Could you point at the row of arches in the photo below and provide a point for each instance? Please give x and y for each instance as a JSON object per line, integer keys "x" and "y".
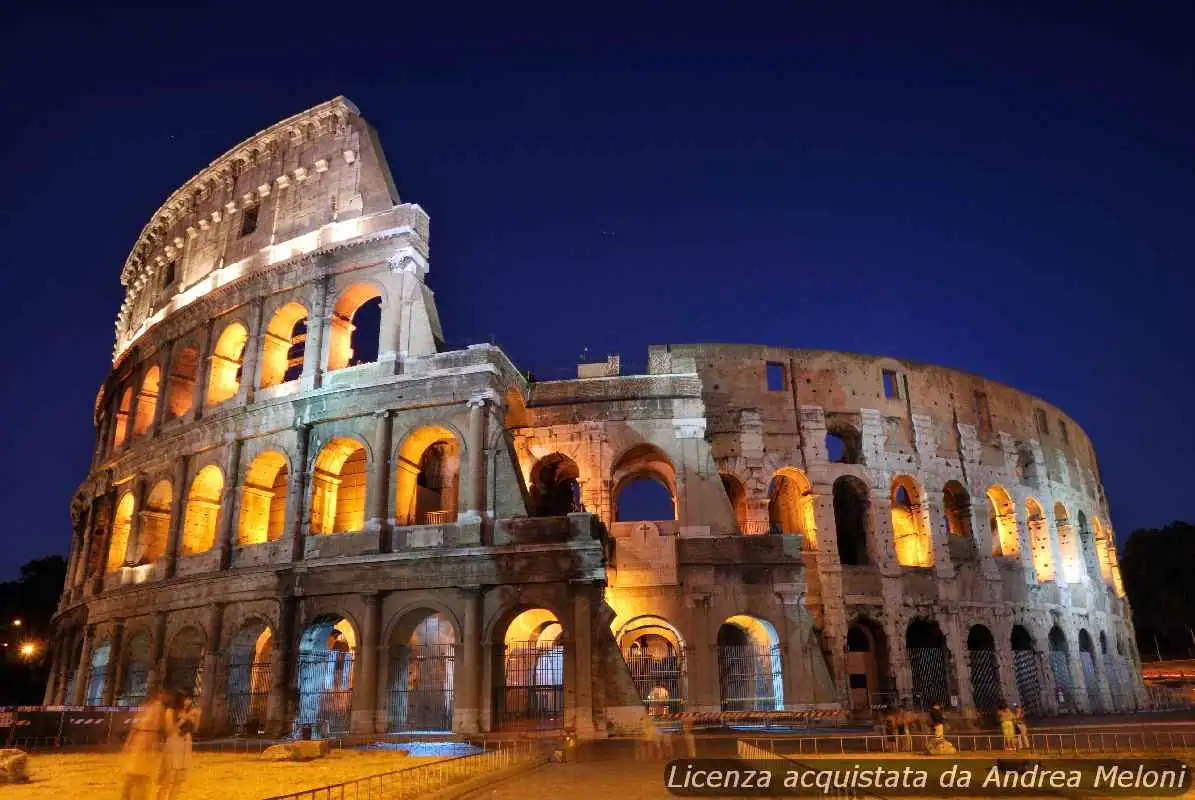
{"x": 353, "y": 337}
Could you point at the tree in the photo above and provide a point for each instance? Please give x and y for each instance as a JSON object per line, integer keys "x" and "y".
{"x": 32, "y": 599}
{"x": 1156, "y": 566}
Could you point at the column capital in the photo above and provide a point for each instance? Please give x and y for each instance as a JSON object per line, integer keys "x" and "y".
{"x": 371, "y": 598}
{"x": 384, "y": 413}
{"x": 481, "y": 398}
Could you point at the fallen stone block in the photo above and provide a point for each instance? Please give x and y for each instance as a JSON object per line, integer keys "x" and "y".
{"x": 14, "y": 766}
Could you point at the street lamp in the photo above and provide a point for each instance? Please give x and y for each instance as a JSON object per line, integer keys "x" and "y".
{"x": 28, "y": 650}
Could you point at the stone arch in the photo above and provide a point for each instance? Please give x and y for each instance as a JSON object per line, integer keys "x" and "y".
{"x": 97, "y": 673}
{"x": 643, "y": 462}
{"x": 227, "y": 361}
{"x": 1002, "y": 521}
{"x": 338, "y": 483}
{"x": 1039, "y": 541}
{"x": 852, "y": 519}
{"x": 654, "y": 651}
{"x": 1026, "y": 665}
{"x": 184, "y": 372}
{"x": 263, "y": 499}
{"x": 427, "y": 476}
{"x": 122, "y": 525}
{"x": 1102, "y": 546}
{"x": 134, "y": 687}
{"x": 248, "y": 675}
{"x": 528, "y": 669}
{"x": 121, "y": 436}
{"x": 352, "y": 338}
{"x": 986, "y": 693}
{"x": 183, "y": 659}
{"x": 1060, "y": 667}
{"x": 910, "y": 533}
{"x": 956, "y": 505}
{"x": 147, "y": 401}
{"x": 750, "y": 669}
{"x": 844, "y": 443}
{"x": 867, "y": 665}
{"x": 154, "y": 533}
{"x": 516, "y": 409}
{"x": 327, "y": 651}
{"x": 736, "y": 495}
{"x": 203, "y": 510}
{"x": 422, "y": 671}
{"x": 790, "y": 505}
{"x": 555, "y": 486}
{"x": 1068, "y": 546}
{"x": 283, "y": 345}
{"x": 929, "y": 662}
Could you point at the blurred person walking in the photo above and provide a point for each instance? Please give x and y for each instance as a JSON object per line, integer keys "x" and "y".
{"x": 180, "y": 721}
{"x": 142, "y": 753}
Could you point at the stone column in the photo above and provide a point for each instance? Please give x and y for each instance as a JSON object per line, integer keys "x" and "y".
{"x": 959, "y": 661}
{"x": 932, "y": 512}
{"x": 583, "y": 613}
{"x": 898, "y": 656}
{"x": 1075, "y": 664}
{"x": 1004, "y": 661}
{"x": 314, "y": 357}
{"x": 157, "y": 652}
{"x": 1101, "y": 679}
{"x": 467, "y": 700}
{"x": 105, "y": 544}
{"x": 283, "y": 671}
{"x": 229, "y": 503}
{"x": 204, "y": 371}
{"x": 55, "y": 665}
{"x": 377, "y": 491}
{"x": 252, "y": 355}
{"x": 701, "y": 659}
{"x": 79, "y": 567}
{"x": 163, "y": 391}
{"x": 133, "y": 548}
{"x": 881, "y": 549}
{"x": 211, "y": 668}
{"x": 365, "y": 689}
{"x": 178, "y": 512}
{"x": 475, "y": 500}
{"x": 298, "y": 510}
{"x": 80, "y": 697}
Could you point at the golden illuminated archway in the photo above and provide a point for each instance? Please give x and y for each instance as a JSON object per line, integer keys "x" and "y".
{"x": 263, "y": 502}
{"x": 790, "y": 505}
{"x": 283, "y": 345}
{"x": 122, "y": 524}
{"x": 1102, "y": 547}
{"x": 1039, "y": 541}
{"x": 338, "y": 488}
{"x": 154, "y": 531}
{"x": 427, "y": 477}
{"x": 147, "y": 401}
{"x": 342, "y": 325}
{"x": 203, "y": 510}
{"x": 227, "y": 359}
{"x": 122, "y": 419}
{"x": 1068, "y": 545}
{"x": 1002, "y": 521}
{"x": 184, "y": 371}
{"x": 910, "y": 530}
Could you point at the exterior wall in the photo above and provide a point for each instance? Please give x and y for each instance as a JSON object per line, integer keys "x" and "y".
{"x": 703, "y": 414}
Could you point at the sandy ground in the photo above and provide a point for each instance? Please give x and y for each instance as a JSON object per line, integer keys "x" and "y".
{"x": 213, "y": 776}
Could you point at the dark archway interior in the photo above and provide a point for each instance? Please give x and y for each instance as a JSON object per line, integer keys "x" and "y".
{"x": 850, "y": 521}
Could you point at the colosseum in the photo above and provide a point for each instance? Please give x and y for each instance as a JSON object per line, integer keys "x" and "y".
{"x": 308, "y": 510}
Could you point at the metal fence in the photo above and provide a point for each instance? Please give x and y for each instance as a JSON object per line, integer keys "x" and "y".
{"x": 661, "y": 681}
{"x": 325, "y": 692}
{"x": 532, "y": 692}
{"x": 931, "y": 683}
{"x": 422, "y": 678}
{"x": 749, "y": 677}
{"x": 985, "y": 680}
{"x": 1026, "y": 665}
{"x": 424, "y": 778}
{"x": 247, "y": 694}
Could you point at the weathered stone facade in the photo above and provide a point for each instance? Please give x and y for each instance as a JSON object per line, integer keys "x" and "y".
{"x": 308, "y": 528}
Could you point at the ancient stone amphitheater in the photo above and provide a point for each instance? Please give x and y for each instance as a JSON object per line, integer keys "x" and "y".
{"x": 308, "y": 510}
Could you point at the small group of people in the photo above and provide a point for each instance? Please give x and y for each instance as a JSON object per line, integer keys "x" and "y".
{"x": 158, "y": 746}
{"x": 901, "y": 722}
{"x": 1013, "y": 727}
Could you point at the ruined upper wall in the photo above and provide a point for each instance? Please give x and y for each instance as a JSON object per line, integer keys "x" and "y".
{"x": 302, "y": 184}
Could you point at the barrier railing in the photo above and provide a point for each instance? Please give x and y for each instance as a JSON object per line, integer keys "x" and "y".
{"x": 1062, "y": 744}
{"x": 423, "y": 779}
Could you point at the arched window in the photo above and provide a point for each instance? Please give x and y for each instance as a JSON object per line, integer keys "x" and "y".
{"x": 555, "y": 489}
{"x": 155, "y": 523}
{"x": 184, "y": 371}
{"x": 844, "y": 444}
{"x": 263, "y": 503}
{"x": 283, "y": 345}
{"x": 228, "y": 358}
{"x": 354, "y": 335}
{"x": 338, "y": 488}
{"x": 147, "y": 402}
{"x": 957, "y": 506}
{"x": 121, "y": 437}
{"x": 1102, "y": 546}
{"x": 852, "y": 520}
{"x": 1002, "y": 520}
{"x": 428, "y": 477}
{"x": 790, "y": 505}
{"x": 122, "y": 524}
{"x": 737, "y": 495}
{"x": 203, "y": 510}
{"x": 643, "y": 482}
{"x": 1068, "y": 547}
{"x": 1039, "y": 541}
{"x": 910, "y": 533}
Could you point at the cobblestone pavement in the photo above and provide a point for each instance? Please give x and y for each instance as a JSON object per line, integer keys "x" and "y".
{"x": 623, "y": 780}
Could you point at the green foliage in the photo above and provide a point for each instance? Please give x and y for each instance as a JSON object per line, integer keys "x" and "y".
{"x": 1158, "y": 569}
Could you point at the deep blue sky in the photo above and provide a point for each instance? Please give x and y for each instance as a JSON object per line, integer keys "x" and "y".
{"x": 1007, "y": 192}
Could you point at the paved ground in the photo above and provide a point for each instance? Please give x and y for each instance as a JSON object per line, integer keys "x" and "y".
{"x": 622, "y": 780}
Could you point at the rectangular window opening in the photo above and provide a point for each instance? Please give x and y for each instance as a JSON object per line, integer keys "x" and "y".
{"x": 1063, "y": 432}
{"x": 776, "y": 381}
{"x": 892, "y": 385}
{"x": 249, "y": 221}
{"x": 1043, "y": 425}
{"x": 168, "y": 273}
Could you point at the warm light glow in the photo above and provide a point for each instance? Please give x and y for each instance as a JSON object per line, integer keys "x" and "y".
{"x": 1002, "y": 520}
{"x": 1068, "y": 545}
{"x": 433, "y": 452}
{"x": 28, "y": 649}
{"x": 147, "y": 402}
{"x": 1039, "y": 541}
{"x": 155, "y": 523}
{"x": 118, "y": 546}
{"x": 910, "y": 529}
{"x": 227, "y": 360}
{"x": 790, "y": 505}
{"x": 277, "y": 342}
{"x": 340, "y": 329}
{"x": 338, "y": 488}
{"x": 16, "y": 623}
{"x": 203, "y": 510}
{"x": 263, "y": 504}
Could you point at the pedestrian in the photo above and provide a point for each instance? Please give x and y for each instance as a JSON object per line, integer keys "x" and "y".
{"x": 142, "y": 749}
{"x": 1007, "y": 726}
{"x": 1022, "y": 728}
{"x": 180, "y": 721}
{"x": 938, "y": 720}
{"x": 905, "y": 722}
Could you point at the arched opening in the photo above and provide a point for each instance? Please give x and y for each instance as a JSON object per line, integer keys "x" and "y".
{"x": 422, "y": 672}
{"x": 1002, "y": 522}
{"x": 1095, "y": 703}
{"x": 1068, "y": 546}
{"x": 555, "y": 486}
{"x": 868, "y": 672}
{"x": 97, "y": 674}
{"x": 1112, "y": 675}
{"x": 155, "y": 523}
{"x": 956, "y": 506}
{"x": 147, "y": 402}
{"x": 427, "y": 481}
{"x": 184, "y": 371}
{"x": 530, "y": 661}
{"x": 122, "y": 524}
{"x": 283, "y": 346}
{"x": 1039, "y": 541}
{"x": 325, "y": 675}
{"x": 1026, "y": 665}
{"x": 985, "y": 672}
{"x": 203, "y": 510}
{"x": 227, "y": 361}
{"x": 736, "y": 494}
{"x": 852, "y": 520}
{"x": 910, "y": 531}
{"x": 1060, "y": 668}
{"x": 844, "y": 445}
{"x": 644, "y": 485}
{"x": 655, "y": 654}
{"x": 263, "y": 501}
{"x": 249, "y": 671}
{"x": 929, "y": 663}
{"x": 750, "y": 672}
{"x": 183, "y": 660}
{"x": 1102, "y": 546}
{"x": 135, "y": 686}
{"x": 355, "y": 328}
{"x": 121, "y": 436}
{"x": 790, "y": 505}
{"x": 338, "y": 488}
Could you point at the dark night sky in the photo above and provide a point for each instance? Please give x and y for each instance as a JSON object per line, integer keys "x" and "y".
{"x": 1007, "y": 192}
